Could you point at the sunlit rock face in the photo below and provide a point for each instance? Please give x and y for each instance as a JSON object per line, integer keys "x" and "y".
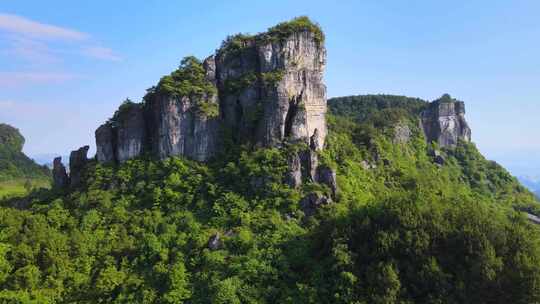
{"x": 444, "y": 122}
{"x": 268, "y": 90}
{"x": 177, "y": 129}
{"x": 281, "y": 93}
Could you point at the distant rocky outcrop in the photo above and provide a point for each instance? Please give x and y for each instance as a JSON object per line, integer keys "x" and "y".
{"x": 263, "y": 90}
{"x": 60, "y": 176}
{"x": 78, "y": 160}
{"x": 444, "y": 122}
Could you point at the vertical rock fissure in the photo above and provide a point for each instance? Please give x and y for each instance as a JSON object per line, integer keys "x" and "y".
{"x": 291, "y": 115}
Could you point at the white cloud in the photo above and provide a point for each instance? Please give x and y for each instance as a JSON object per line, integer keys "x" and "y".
{"x": 20, "y": 25}
{"x": 45, "y": 43}
{"x": 9, "y": 79}
{"x": 101, "y": 53}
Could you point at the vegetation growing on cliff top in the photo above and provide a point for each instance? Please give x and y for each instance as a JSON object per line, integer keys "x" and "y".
{"x": 284, "y": 30}
{"x": 188, "y": 80}
{"x": 236, "y": 43}
{"x": 405, "y": 230}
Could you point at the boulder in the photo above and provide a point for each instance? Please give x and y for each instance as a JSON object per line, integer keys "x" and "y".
{"x": 215, "y": 242}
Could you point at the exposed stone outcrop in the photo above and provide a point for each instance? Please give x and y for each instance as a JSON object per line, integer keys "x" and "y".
{"x": 277, "y": 89}
{"x": 267, "y": 89}
{"x": 215, "y": 242}
{"x": 327, "y": 176}
{"x": 402, "y": 133}
{"x": 106, "y": 143}
{"x": 77, "y": 162}
{"x": 293, "y": 176}
{"x": 60, "y": 177}
{"x": 178, "y": 129}
{"x": 130, "y": 129}
{"x": 444, "y": 122}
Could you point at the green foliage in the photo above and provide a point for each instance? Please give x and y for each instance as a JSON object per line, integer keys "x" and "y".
{"x": 235, "y": 44}
{"x": 11, "y": 137}
{"x": 271, "y": 78}
{"x": 189, "y": 80}
{"x": 402, "y": 229}
{"x": 299, "y": 24}
{"x": 237, "y": 85}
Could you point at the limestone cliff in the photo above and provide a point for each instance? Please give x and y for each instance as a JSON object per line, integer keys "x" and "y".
{"x": 263, "y": 90}
{"x": 444, "y": 122}
{"x": 272, "y": 90}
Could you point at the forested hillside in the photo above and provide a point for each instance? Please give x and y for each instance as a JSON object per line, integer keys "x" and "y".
{"x": 18, "y": 173}
{"x": 402, "y": 228}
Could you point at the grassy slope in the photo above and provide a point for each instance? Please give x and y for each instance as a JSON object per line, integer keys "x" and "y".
{"x": 16, "y": 187}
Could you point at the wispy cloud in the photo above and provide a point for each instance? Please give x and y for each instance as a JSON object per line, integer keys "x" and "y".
{"x": 46, "y": 43}
{"x": 10, "y": 79}
{"x": 20, "y": 25}
{"x": 101, "y": 53}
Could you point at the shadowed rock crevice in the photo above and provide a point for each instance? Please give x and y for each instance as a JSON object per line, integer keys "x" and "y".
{"x": 291, "y": 116}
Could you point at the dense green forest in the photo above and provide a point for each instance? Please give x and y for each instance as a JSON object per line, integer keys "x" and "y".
{"x": 18, "y": 173}
{"x": 401, "y": 229}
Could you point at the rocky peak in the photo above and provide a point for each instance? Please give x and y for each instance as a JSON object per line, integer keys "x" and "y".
{"x": 272, "y": 88}
{"x": 77, "y": 162}
{"x": 265, "y": 89}
{"x": 60, "y": 177}
{"x": 444, "y": 122}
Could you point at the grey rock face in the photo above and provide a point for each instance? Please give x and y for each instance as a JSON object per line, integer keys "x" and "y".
{"x": 106, "y": 144}
{"x": 179, "y": 130}
{"x": 269, "y": 92}
{"x": 130, "y": 133}
{"x": 327, "y": 176}
{"x": 124, "y": 137}
{"x": 402, "y": 133}
{"x": 293, "y": 176}
{"x": 444, "y": 122}
{"x": 310, "y": 162}
{"x": 60, "y": 177}
{"x": 77, "y": 162}
{"x": 282, "y": 94}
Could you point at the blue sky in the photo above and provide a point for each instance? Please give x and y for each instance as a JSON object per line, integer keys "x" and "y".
{"x": 66, "y": 65}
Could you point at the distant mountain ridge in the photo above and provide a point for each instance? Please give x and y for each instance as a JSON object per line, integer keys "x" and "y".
{"x": 532, "y": 183}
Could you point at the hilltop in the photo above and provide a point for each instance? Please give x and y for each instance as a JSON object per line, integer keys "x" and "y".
{"x": 235, "y": 180}
{"x": 16, "y": 169}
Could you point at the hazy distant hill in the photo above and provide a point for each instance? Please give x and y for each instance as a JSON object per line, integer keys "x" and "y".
{"x": 532, "y": 183}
